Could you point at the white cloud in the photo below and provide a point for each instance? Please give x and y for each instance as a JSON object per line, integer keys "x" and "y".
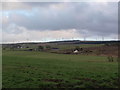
{"x": 39, "y": 35}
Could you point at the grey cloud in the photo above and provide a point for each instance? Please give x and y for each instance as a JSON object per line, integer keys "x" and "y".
{"x": 40, "y": 4}
{"x": 80, "y": 16}
{"x": 26, "y": 5}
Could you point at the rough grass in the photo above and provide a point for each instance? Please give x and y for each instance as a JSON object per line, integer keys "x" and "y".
{"x": 24, "y": 69}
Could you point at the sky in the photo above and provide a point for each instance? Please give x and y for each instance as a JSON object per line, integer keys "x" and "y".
{"x": 51, "y": 21}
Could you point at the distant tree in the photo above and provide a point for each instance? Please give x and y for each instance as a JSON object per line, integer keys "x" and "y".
{"x": 77, "y": 48}
{"x": 3, "y": 48}
{"x": 27, "y": 47}
{"x": 118, "y": 59}
{"x": 48, "y": 47}
{"x": 40, "y": 48}
{"x": 107, "y": 44}
{"x": 12, "y": 48}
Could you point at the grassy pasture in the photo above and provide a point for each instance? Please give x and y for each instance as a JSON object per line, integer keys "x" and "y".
{"x": 30, "y": 69}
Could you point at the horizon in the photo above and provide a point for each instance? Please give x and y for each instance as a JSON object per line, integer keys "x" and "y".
{"x": 56, "y": 41}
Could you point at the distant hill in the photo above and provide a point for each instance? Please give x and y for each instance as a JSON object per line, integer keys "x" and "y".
{"x": 70, "y": 42}
{"x": 83, "y": 42}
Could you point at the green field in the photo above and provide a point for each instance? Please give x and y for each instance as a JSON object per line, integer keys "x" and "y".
{"x": 32, "y": 69}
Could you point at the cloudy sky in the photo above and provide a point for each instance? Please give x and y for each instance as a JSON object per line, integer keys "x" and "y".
{"x": 49, "y": 21}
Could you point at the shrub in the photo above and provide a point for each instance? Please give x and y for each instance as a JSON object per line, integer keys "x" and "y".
{"x": 40, "y": 48}
{"x": 110, "y": 58}
{"x": 48, "y": 47}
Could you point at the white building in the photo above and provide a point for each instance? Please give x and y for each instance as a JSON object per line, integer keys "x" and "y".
{"x": 75, "y": 51}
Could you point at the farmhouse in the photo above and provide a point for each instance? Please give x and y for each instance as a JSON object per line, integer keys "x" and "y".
{"x": 75, "y": 51}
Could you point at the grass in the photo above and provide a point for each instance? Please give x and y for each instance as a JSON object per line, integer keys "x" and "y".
{"x": 25, "y": 69}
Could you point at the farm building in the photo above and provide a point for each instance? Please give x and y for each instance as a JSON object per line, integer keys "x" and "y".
{"x": 75, "y": 51}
